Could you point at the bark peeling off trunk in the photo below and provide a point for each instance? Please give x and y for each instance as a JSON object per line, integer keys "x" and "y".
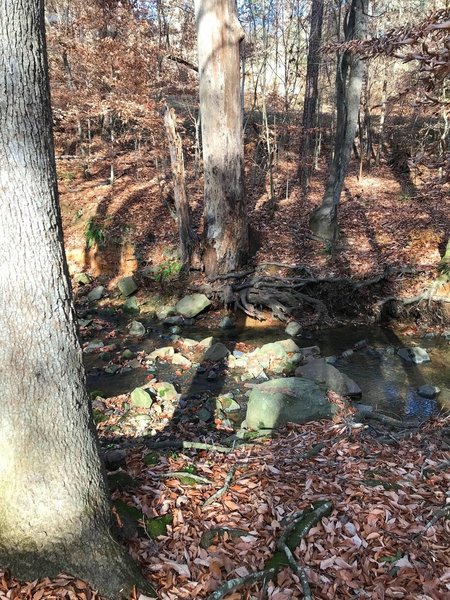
{"x": 54, "y": 508}
{"x": 219, "y": 34}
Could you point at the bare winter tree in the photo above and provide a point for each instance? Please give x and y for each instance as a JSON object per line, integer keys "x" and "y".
{"x": 311, "y": 91}
{"x": 219, "y": 34}
{"x": 54, "y": 507}
{"x": 349, "y": 77}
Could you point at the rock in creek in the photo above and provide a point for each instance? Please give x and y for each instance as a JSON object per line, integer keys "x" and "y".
{"x": 191, "y": 306}
{"x": 292, "y": 399}
{"x": 414, "y": 355}
{"x": 328, "y": 377}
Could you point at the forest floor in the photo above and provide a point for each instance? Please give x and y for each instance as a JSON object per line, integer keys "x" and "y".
{"x": 386, "y": 533}
{"x": 385, "y": 222}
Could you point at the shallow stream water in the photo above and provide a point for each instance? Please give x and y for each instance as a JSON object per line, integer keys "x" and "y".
{"x": 388, "y": 383}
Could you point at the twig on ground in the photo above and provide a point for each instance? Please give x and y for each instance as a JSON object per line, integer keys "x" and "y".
{"x": 183, "y": 445}
{"x": 233, "y": 584}
{"x": 223, "y": 489}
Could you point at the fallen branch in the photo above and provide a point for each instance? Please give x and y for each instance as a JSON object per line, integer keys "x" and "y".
{"x": 233, "y": 584}
{"x": 390, "y": 421}
{"x": 183, "y": 445}
{"x": 223, "y": 489}
{"x": 444, "y": 511}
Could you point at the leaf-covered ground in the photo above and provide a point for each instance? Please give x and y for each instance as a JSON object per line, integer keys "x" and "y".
{"x": 388, "y": 535}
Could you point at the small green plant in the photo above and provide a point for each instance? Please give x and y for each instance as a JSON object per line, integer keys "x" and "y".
{"x": 167, "y": 270}
{"x": 68, "y": 176}
{"x": 94, "y": 234}
{"x": 327, "y": 247}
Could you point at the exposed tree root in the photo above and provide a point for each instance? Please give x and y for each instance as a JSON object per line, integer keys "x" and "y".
{"x": 253, "y": 290}
{"x": 297, "y": 528}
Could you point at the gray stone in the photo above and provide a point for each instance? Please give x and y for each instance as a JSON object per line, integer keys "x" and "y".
{"x": 162, "y": 312}
{"x": 82, "y": 278}
{"x": 111, "y": 369}
{"x": 227, "y": 403}
{"x": 428, "y": 391}
{"x": 96, "y": 293}
{"x": 180, "y": 360}
{"x": 216, "y": 352}
{"x": 290, "y": 346}
{"x": 206, "y": 342}
{"x": 84, "y": 322}
{"x": 175, "y": 330}
{"x": 414, "y": 355}
{"x": 188, "y": 343}
{"x": 279, "y": 401}
{"x": 93, "y": 346}
{"x": 174, "y": 320}
{"x": 136, "y": 328}
{"x": 272, "y": 357}
{"x": 166, "y": 391}
{"x": 310, "y": 352}
{"x": 164, "y": 352}
{"x": 227, "y": 323}
{"x": 191, "y": 306}
{"x": 293, "y": 328}
{"x": 127, "y": 286}
{"x": 131, "y": 305}
{"x": 329, "y": 378}
{"x": 140, "y": 398}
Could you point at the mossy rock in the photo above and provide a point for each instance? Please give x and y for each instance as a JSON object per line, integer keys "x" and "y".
{"x": 152, "y": 458}
{"x": 120, "y": 481}
{"x": 158, "y": 526}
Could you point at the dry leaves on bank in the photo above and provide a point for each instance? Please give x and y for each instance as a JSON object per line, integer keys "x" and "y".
{"x": 379, "y": 542}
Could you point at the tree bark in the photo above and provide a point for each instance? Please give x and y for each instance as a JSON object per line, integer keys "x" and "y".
{"x": 219, "y": 34}
{"x": 187, "y": 237}
{"x": 311, "y": 93}
{"x": 349, "y": 76}
{"x": 54, "y": 508}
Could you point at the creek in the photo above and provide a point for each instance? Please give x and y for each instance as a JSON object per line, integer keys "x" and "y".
{"x": 388, "y": 382}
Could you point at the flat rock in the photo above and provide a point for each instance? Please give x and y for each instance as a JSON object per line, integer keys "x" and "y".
{"x": 414, "y": 355}
{"x": 96, "y": 293}
{"x": 166, "y": 391}
{"x": 164, "y": 352}
{"x": 216, "y": 352}
{"x": 293, "y": 328}
{"x": 127, "y": 286}
{"x": 227, "y": 323}
{"x": 191, "y": 306}
{"x": 329, "y": 377}
{"x": 140, "y": 398}
{"x": 180, "y": 360}
{"x": 279, "y": 401}
{"x": 428, "y": 391}
{"x": 93, "y": 346}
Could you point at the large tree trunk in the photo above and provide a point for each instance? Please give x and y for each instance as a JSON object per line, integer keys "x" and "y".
{"x": 225, "y": 218}
{"x": 54, "y": 508}
{"x": 349, "y": 76}
{"x": 311, "y": 93}
{"x": 187, "y": 237}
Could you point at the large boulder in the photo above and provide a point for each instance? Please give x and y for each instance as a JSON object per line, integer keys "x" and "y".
{"x": 292, "y": 399}
{"x": 191, "y": 306}
{"x": 329, "y": 378}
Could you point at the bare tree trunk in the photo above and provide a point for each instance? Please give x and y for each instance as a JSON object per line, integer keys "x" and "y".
{"x": 382, "y": 119}
{"x": 225, "y": 215}
{"x": 349, "y": 76}
{"x": 311, "y": 93}
{"x": 54, "y": 509}
{"x": 187, "y": 237}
